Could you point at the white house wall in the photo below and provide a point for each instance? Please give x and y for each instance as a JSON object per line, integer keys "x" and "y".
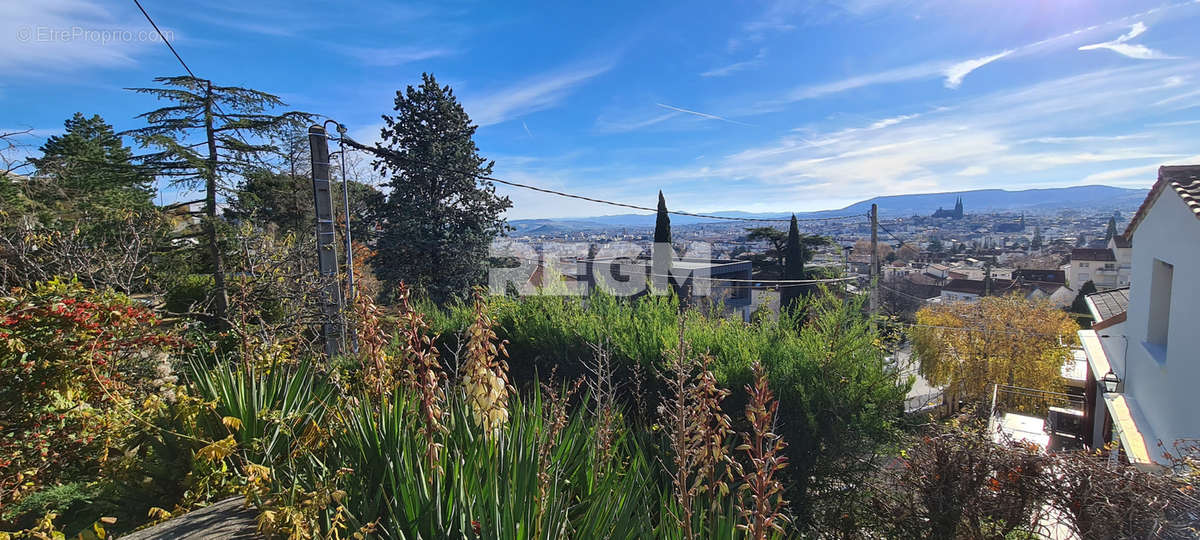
{"x": 1167, "y": 393}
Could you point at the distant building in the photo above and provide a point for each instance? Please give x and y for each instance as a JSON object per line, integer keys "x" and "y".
{"x": 957, "y": 213}
{"x": 1098, "y": 265}
{"x": 1141, "y": 351}
{"x": 1040, "y": 276}
{"x": 1015, "y": 226}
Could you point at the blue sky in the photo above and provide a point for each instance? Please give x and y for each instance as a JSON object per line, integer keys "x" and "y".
{"x": 757, "y": 106}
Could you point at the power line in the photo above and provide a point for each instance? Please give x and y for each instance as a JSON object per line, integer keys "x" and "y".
{"x": 386, "y": 153}
{"x": 898, "y": 239}
{"x": 913, "y": 296}
{"x": 221, "y": 112}
{"x": 165, "y": 40}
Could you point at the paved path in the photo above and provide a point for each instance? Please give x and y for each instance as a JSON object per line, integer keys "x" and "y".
{"x": 227, "y": 519}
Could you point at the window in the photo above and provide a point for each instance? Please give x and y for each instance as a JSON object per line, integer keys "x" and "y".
{"x": 1084, "y": 277}
{"x": 1083, "y": 265}
{"x": 1160, "y": 309}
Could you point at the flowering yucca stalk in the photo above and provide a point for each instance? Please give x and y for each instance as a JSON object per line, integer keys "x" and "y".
{"x": 485, "y": 374}
{"x": 762, "y": 513}
{"x": 697, "y": 429}
{"x": 373, "y": 340}
{"x": 420, "y": 358}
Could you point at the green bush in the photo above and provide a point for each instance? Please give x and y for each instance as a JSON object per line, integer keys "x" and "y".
{"x": 839, "y": 401}
{"x": 186, "y": 290}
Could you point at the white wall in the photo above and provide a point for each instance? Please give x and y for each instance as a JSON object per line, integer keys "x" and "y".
{"x": 1167, "y": 392}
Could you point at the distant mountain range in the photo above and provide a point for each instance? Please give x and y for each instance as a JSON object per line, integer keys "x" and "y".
{"x": 923, "y": 204}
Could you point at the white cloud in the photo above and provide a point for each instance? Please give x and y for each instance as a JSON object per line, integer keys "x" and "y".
{"x": 1173, "y": 81}
{"x": 531, "y": 95}
{"x": 392, "y": 56}
{"x": 1177, "y": 123}
{"x": 606, "y": 125}
{"x": 1177, "y": 97}
{"x": 61, "y": 35}
{"x": 973, "y": 170}
{"x": 1017, "y": 138}
{"x": 880, "y": 124}
{"x": 735, "y": 67}
{"x": 1122, "y": 46}
{"x": 906, "y": 73}
{"x": 955, "y": 73}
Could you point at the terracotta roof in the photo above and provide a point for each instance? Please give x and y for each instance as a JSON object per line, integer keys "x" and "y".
{"x": 1109, "y": 303}
{"x": 1091, "y": 254}
{"x": 1184, "y": 181}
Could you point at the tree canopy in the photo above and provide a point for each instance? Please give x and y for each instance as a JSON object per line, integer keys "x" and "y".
{"x": 440, "y": 216}
{"x": 200, "y": 141}
{"x": 969, "y": 346}
{"x": 661, "y": 252}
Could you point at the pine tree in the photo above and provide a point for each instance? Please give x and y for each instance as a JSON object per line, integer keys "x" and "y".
{"x": 662, "y": 253}
{"x": 793, "y": 266}
{"x": 90, "y": 172}
{"x": 200, "y": 146}
{"x": 440, "y": 217}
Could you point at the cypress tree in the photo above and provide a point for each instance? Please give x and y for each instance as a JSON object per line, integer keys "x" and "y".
{"x": 793, "y": 266}
{"x": 1112, "y": 229}
{"x": 661, "y": 254}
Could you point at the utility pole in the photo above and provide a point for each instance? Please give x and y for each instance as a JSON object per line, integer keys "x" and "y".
{"x": 874, "y": 265}
{"x": 331, "y": 298}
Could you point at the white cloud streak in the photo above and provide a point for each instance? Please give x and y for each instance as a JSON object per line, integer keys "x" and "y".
{"x": 392, "y": 56}
{"x": 605, "y": 125}
{"x": 955, "y": 73}
{"x": 531, "y": 95}
{"x": 1122, "y": 46}
{"x": 700, "y": 114}
{"x": 735, "y": 67}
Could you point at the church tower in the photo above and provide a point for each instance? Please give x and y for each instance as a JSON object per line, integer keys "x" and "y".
{"x": 958, "y": 208}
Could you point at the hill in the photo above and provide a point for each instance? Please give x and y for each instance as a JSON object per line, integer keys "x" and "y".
{"x": 980, "y": 200}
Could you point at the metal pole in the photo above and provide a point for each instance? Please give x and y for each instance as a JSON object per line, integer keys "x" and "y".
{"x": 349, "y": 247}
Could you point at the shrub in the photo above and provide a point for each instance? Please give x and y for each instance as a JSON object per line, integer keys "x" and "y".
{"x": 70, "y": 359}
{"x": 188, "y": 290}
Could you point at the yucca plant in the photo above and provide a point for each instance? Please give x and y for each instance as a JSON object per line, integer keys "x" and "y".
{"x": 271, "y": 412}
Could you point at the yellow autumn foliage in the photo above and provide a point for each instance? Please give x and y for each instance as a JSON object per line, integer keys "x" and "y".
{"x": 1007, "y": 340}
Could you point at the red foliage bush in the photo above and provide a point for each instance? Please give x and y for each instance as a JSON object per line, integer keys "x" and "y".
{"x": 67, "y": 355}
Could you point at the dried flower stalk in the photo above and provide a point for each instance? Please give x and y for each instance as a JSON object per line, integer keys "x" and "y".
{"x": 761, "y": 502}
